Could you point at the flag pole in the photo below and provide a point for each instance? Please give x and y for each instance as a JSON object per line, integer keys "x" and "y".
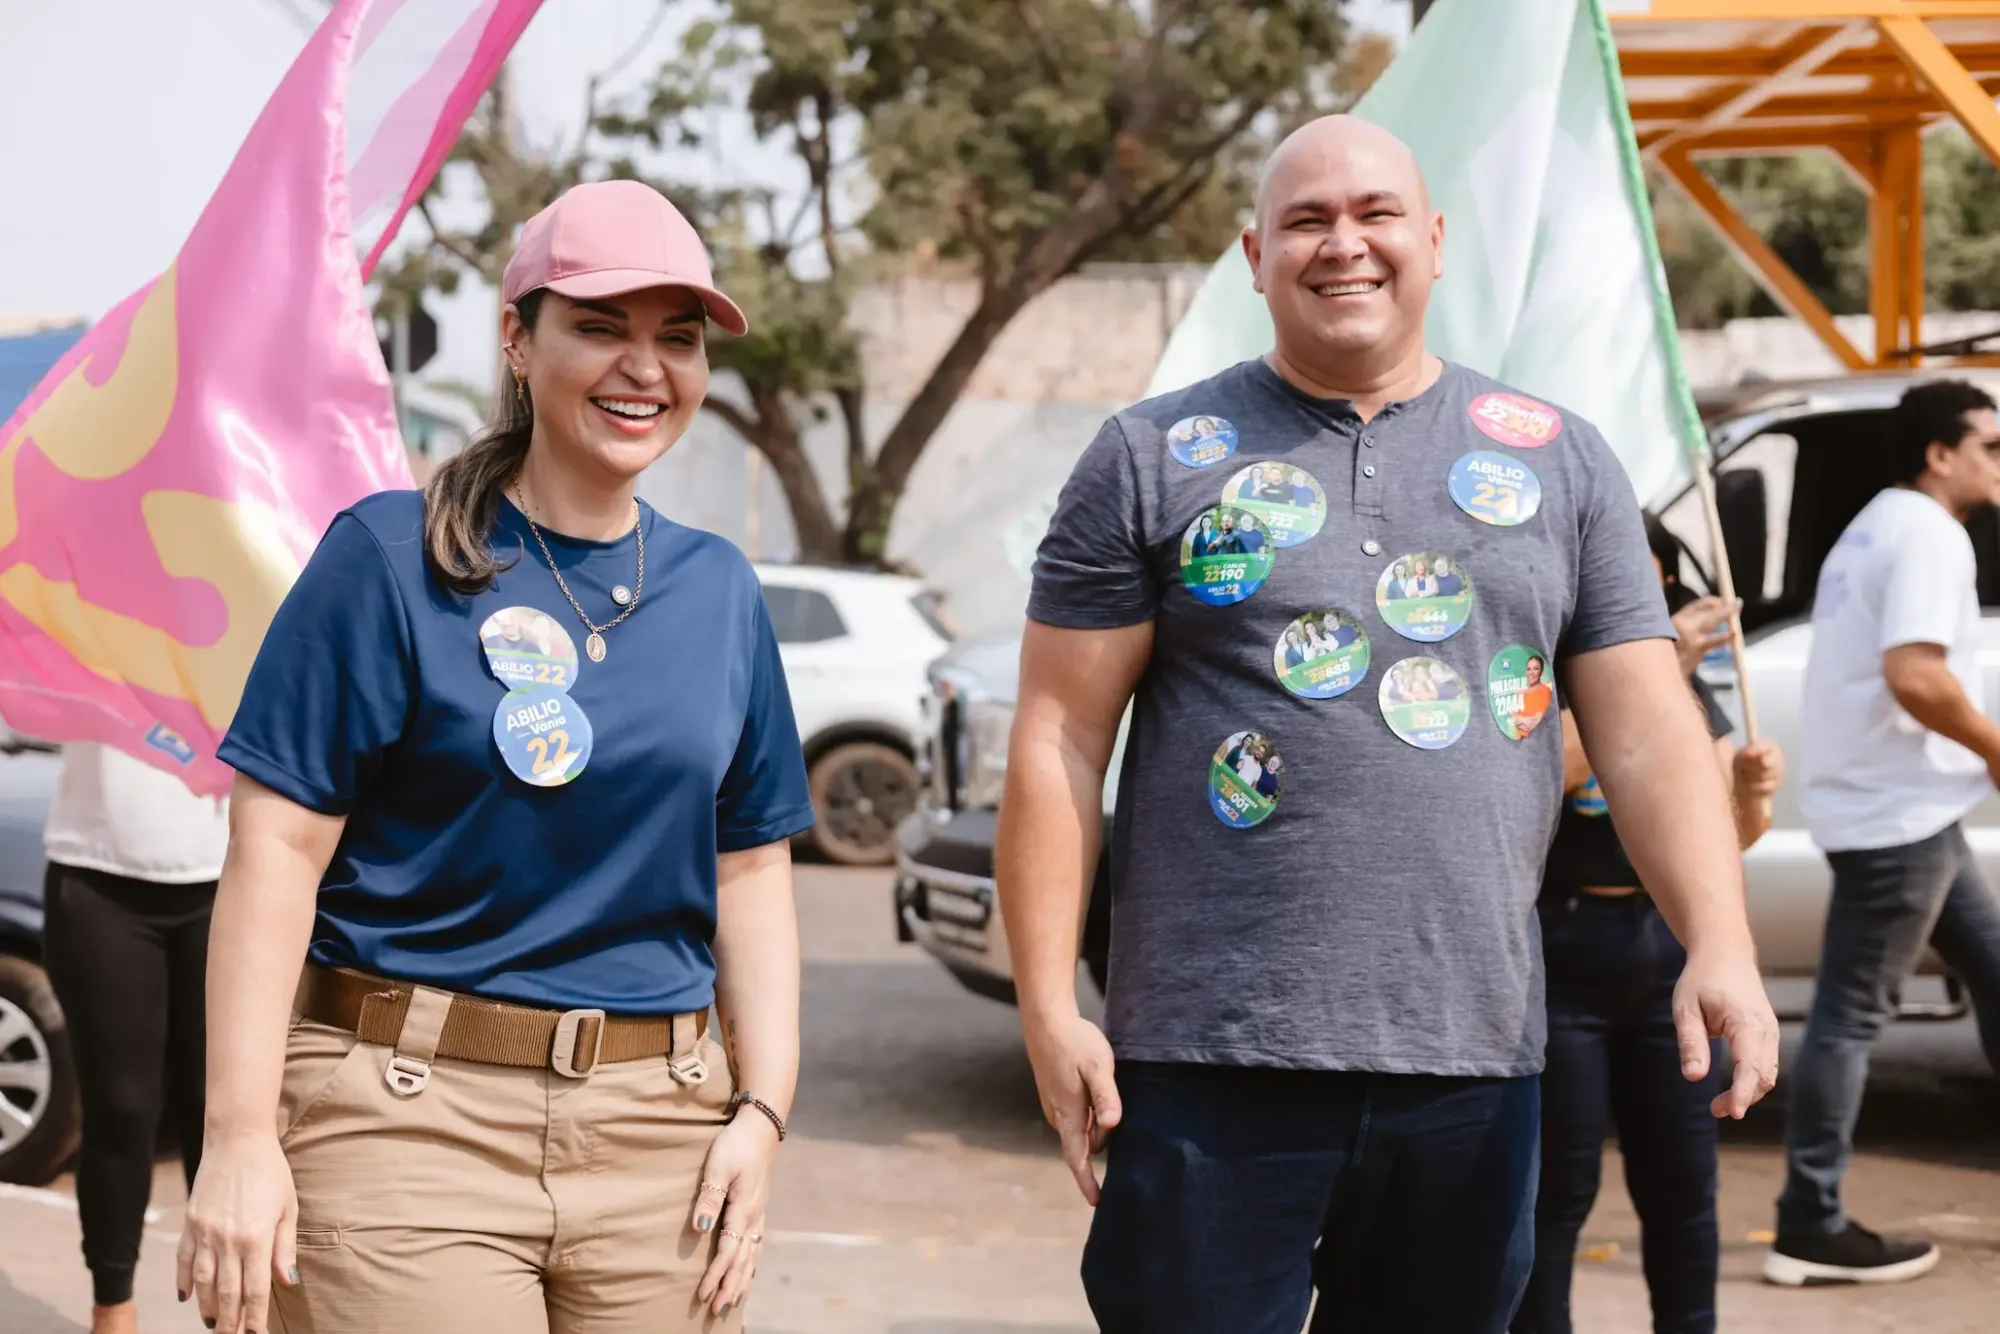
{"x": 1694, "y": 437}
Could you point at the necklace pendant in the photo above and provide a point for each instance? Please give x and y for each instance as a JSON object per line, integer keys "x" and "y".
{"x": 594, "y": 646}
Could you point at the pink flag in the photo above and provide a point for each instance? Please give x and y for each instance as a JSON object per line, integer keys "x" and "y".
{"x": 162, "y": 487}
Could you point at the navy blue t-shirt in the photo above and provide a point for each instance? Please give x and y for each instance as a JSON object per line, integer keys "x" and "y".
{"x": 371, "y": 697}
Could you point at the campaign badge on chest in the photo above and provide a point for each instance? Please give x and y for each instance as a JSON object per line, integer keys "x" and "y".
{"x": 1321, "y": 655}
{"x": 542, "y": 734}
{"x": 1226, "y": 556}
{"x": 1288, "y": 501}
{"x": 1516, "y": 419}
{"x": 1494, "y": 488}
{"x": 1519, "y": 690}
{"x": 1201, "y": 442}
{"x": 1245, "y": 780}
{"x": 1425, "y": 595}
{"x": 528, "y": 647}
{"x": 1425, "y": 703}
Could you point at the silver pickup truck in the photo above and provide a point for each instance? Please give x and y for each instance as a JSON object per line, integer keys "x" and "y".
{"x": 1794, "y": 464}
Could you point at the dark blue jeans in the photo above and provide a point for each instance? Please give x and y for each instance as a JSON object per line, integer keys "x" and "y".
{"x": 1886, "y": 904}
{"x": 1232, "y": 1193}
{"x": 1614, "y": 1060}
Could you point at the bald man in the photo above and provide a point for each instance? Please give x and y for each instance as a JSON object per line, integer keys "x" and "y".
{"x": 1323, "y": 1073}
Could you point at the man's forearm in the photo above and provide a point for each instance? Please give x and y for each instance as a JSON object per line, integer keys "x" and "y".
{"x": 1937, "y": 701}
{"x": 1050, "y": 820}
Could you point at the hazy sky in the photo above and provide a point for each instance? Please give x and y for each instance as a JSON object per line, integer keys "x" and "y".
{"x": 121, "y": 116}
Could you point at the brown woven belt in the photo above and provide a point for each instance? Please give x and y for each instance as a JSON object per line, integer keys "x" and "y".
{"x": 572, "y": 1042}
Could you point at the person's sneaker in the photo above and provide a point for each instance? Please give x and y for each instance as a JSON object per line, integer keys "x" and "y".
{"x": 1855, "y": 1255}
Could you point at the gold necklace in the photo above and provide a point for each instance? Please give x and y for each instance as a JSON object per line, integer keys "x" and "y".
{"x": 594, "y": 645}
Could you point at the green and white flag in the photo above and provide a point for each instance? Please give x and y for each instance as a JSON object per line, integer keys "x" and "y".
{"x": 1552, "y": 277}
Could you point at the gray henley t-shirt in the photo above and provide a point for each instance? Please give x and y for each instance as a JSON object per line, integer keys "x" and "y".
{"x": 1345, "y": 762}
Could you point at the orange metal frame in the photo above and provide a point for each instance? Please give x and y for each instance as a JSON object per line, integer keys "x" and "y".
{"x": 1864, "y": 80}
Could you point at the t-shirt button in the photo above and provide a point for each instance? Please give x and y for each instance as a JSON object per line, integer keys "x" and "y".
{"x": 1368, "y": 471}
{"x": 1367, "y": 442}
{"x": 1371, "y": 548}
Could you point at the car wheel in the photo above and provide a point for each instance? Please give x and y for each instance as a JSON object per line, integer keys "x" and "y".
{"x": 40, "y": 1119}
{"x": 861, "y": 790}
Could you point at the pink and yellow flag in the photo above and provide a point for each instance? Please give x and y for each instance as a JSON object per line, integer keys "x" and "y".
{"x": 162, "y": 487}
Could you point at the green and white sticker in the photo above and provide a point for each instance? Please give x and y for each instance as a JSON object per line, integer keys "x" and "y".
{"x": 1425, "y": 703}
{"x": 1519, "y": 690}
{"x": 1226, "y": 556}
{"x": 1426, "y": 596}
{"x": 1289, "y": 502}
{"x": 1245, "y": 780}
{"x": 1321, "y": 655}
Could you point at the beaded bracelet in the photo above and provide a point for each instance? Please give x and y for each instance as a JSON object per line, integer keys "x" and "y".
{"x": 766, "y": 1108}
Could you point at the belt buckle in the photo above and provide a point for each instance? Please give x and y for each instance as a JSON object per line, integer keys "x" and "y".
{"x": 562, "y": 1056}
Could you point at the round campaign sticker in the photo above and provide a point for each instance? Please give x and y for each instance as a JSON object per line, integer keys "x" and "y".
{"x": 1425, "y": 596}
{"x": 544, "y": 737}
{"x": 1290, "y": 504}
{"x": 1201, "y": 442}
{"x": 1245, "y": 780}
{"x": 1520, "y": 691}
{"x": 1321, "y": 655}
{"x": 1515, "y": 420}
{"x": 527, "y": 647}
{"x": 1494, "y": 489}
{"x": 1424, "y": 702}
{"x": 1587, "y": 798}
{"x": 1225, "y": 556}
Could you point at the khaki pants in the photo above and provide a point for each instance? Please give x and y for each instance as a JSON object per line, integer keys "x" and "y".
{"x": 497, "y": 1199}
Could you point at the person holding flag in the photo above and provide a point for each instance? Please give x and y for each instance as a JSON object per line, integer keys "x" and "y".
{"x": 1334, "y": 1085}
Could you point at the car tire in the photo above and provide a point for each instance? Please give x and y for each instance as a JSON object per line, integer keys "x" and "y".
{"x": 861, "y": 790}
{"x": 37, "y": 1078}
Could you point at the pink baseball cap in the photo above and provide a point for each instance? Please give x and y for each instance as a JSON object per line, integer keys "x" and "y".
{"x": 606, "y": 238}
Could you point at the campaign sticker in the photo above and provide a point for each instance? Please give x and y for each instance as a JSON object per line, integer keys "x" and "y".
{"x": 1201, "y": 442}
{"x": 1519, "y": 690}
{"x": 1494, "y": 489}
{"x": 1226, "y": 556}
{"x": 1425, "y": 703}
{"x": 544, "y": 737}
{"x": 1245, "y": 780}
{"x": 1587, "y": 798}
{"x": 1288, "y": 500}
{"x": 163, "y": 738}
{"x": 528, "y": 647}
{"x": 1515, "y": 420}
{"x": 1426, "y": 596}
{"x": 1321, "y": 655}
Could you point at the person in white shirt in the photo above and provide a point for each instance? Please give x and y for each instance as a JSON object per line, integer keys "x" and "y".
{"x": 1897, "y": 749}
{"x": 133, "y": 862}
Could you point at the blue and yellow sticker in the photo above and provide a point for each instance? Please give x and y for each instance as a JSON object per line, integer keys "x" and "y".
{"x": 1321, "y": 655}
{"x": 1287, "y": 500}
{"x": 1425, "y": 702}
{"x": 1246, "y": 778}
{"x": 1226, "y": 555}
{"x": 542, "y": 734}
{"x": 526, "y": 646}
{"x": 1494, "y": 488}
{"x": 1201, "y": 441}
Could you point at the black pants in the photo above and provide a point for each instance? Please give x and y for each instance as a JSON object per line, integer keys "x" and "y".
{"x": 1613, "y": 1057}
{"x": 1231, "y": 1194}
{"x": 127, "y": 959}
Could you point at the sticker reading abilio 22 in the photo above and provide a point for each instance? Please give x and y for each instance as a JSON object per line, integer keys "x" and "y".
{"x": 1201, "y": 442}
{"x": 1516, "y": 420}
{"x": 543, "y": 736}
{"x": 1494, "y": 489}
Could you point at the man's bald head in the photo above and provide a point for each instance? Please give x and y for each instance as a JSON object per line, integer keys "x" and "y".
{"x": 1345, "y": 248}
{"x": 1308, "y": 151}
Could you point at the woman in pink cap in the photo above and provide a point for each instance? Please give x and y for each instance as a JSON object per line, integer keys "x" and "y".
{"x": 483, "y": 888}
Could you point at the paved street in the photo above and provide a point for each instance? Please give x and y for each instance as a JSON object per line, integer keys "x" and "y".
{"x": 921, "y": 1194}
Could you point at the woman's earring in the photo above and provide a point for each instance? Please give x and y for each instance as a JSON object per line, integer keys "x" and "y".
{"x": 520, "y": 387}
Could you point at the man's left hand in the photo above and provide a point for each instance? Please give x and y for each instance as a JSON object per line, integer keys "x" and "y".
{"x": 1721, "y": 994}
{"x": 1760, "y": 770}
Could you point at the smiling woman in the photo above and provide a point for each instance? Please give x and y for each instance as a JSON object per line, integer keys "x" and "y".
{"x": 504, "y": 862}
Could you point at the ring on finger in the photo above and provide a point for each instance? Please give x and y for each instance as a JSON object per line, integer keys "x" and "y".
{"x": 710, "y": 1188}
{"x": 727, "y": 1232}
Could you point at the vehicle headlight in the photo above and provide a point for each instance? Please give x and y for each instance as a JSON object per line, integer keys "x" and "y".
{"x": 983, "y": 751}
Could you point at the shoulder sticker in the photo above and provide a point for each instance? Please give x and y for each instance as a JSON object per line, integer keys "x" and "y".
{"x": 1202, "y": 441}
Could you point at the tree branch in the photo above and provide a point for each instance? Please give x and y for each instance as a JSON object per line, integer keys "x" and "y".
{"x": 451, "y": 245}
{"x": 737, "y": 419}
{"x": 822, "y": 166}
{"x": 612, "y": 71}
{"x": 1031, "y": 20}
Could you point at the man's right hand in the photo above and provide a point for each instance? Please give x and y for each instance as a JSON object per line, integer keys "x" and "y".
{"x": 1703, "y": 626}
{"x": 1073, "y": 1073}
